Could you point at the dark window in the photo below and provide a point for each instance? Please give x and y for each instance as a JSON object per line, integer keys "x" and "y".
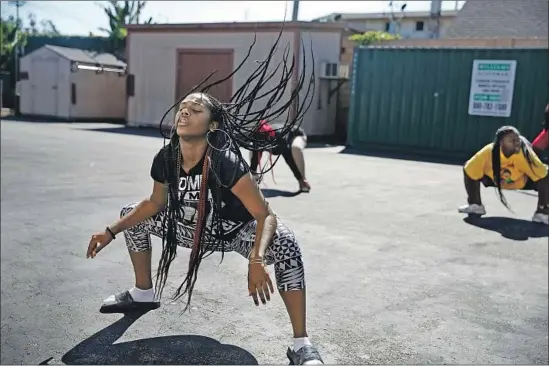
{"x": 73, "y": 93}
{"x": 331, "y": 69}
{"x": 419, "y": 26}
{"x": 23, "y": 75}
{"x": 342, "y": 50}
{"x": 130, "y": 85}
{"x": 387, "y": 26}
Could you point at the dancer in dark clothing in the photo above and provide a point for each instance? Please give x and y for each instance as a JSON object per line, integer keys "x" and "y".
{"x": 204, "y": 199}
{"x": 290, "y": 147}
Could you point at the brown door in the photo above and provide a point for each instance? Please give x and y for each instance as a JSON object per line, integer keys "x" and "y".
{"x": 193, "y": 66}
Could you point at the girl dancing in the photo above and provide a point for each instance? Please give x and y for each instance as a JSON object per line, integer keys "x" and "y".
{"x": 507, "y": 163}
{"x": 290, "y": 147}
{"x": 205, "y": 199}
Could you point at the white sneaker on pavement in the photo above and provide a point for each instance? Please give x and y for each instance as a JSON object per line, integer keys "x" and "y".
{"x": 541, "y": 218}
{"x": 472, "y": 209}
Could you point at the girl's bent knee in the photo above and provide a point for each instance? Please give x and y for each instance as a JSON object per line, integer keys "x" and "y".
{"x": 137, "y": 238}
{"x": 285, "y": 245}
{"x": 299, "y": 143}
{"x": 290, "y": 274}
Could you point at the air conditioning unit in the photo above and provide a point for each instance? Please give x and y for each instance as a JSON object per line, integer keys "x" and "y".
{"x": 343, "y": 71}
{"x": 334, "y": 70}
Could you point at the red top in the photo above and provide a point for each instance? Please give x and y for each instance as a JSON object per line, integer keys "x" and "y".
{"x": 264, "y": 127}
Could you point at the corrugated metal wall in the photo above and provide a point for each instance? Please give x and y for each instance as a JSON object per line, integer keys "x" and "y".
{"x": 416, "y": 100}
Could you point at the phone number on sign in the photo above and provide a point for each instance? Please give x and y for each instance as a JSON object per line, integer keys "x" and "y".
{"x": 490, "y": 106}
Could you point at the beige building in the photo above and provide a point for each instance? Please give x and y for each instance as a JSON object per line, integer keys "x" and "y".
{"x": 165, "y": 61}
{"x": 412, "y": 25}
{"x": 72, "y": 84}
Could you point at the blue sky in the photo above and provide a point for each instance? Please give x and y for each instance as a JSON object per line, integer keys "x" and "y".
{"x": 82, "y": 17}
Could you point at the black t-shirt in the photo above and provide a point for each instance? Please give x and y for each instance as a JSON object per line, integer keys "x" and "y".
{"x": 229, "y": 169}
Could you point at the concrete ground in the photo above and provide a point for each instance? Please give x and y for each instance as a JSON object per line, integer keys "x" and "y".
{"x": 395, "y": 275}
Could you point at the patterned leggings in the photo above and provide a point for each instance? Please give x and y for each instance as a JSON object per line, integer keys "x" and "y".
{"x": 283, "y": 251}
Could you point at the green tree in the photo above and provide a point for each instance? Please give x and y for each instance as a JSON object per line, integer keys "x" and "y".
{"x": 11, "y": 37}
{"x": 373, "y": 37}
{"x": 47, "y": 28}
{"x": 120, "y": 14}
{"x": 14, "y": 35}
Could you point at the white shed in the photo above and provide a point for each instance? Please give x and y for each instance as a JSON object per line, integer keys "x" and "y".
{"x": 166, "y": 60}
{"x": 72, "y": 84}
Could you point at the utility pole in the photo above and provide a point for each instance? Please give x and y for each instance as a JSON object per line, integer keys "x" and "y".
{"x": 434, "y": 18}
{"x": 394, "y": 24}
{"x": 392, "y": 21}
{"x": 17, "y": 4}
{"x": 295, "y": 11}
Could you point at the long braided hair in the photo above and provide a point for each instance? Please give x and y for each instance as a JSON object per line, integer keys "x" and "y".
{"x": 237, "y": 124}
{"x": 496, "y": 157}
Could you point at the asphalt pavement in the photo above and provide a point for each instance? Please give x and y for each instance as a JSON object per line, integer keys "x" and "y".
{"x": 395, "y": 275}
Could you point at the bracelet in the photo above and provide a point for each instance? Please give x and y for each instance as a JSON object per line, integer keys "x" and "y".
{"x": 257, "y": 260}
{"x": 108, "y": 229}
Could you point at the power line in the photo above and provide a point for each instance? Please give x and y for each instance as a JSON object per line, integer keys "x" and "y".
{"x": 50, "y": 7}
{"x": 17, "y": 4}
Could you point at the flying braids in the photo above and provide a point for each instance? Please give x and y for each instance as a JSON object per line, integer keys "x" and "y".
{"x": 238, "y": 121}
{"x": 525, "y": 146}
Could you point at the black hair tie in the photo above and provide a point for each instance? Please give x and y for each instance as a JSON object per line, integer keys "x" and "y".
{"x": 108, "y": 229}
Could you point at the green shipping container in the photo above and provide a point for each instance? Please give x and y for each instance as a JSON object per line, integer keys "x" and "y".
{"x": 414, "y": 100}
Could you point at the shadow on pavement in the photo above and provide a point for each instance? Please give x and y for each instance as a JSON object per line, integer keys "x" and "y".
{"x": 427, "y": 157}
{"x": 510, "y": 228}
{"x": 270, "y": 193}
{"x": 135, "y": 131}
{"x": 49, "y": 119}
{"x": 528, "y": 193}
{"x": 155, "y": 132}
{"x": 320, "y": 145}
{"x": 171, "y": 350}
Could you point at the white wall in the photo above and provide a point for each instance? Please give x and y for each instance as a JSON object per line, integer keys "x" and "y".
{"x": 407, "y": 26}
{"x": 98, "y": 95}
{"x": 326, "y": 46}
{"x": 152, "y": 59}
{"x": 47, "y": 90}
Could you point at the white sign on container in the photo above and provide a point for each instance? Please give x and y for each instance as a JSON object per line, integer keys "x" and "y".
{"x": 492, "y": 85}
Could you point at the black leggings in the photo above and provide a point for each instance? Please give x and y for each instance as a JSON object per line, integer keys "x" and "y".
{"x": 529, "y": 186}
{"x": 286, "y": 151}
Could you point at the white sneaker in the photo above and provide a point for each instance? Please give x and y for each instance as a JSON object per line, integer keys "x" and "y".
{"x": 541, "y": 218}
{"x": 472, "y": 209}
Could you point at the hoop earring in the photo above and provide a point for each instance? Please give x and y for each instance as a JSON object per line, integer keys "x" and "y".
{"x": 164, "y": 133}
{"x": 214, "y": 130}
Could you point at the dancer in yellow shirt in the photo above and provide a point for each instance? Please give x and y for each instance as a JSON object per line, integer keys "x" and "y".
{"x": 508, "y": 163}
